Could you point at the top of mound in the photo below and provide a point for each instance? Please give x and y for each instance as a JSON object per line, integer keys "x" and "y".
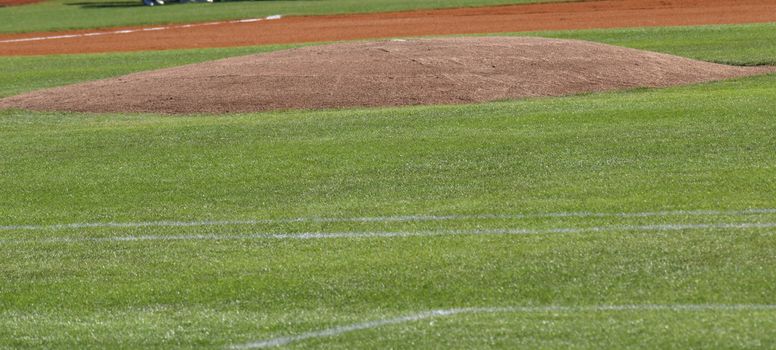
{"x": 384, "y": 73}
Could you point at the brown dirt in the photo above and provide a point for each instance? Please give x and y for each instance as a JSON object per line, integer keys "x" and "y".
{"x": 514, "y": 18}
{"x": 17, "y": 2}
{"x": 385, "y": 73}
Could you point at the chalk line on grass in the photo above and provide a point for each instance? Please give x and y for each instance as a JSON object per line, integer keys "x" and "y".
{"x": 392, "y": 234}
{"x": 147, "y": 29}
{"x": 387, "y": 219}
{"x": 335, "y": 331}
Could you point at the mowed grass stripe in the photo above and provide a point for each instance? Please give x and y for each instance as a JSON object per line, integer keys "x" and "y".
{"x": 215, "y": 294}
{"x": 638, "y": 329}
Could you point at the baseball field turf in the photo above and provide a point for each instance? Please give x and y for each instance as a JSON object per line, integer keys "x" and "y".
{"x": 640, "y": 219}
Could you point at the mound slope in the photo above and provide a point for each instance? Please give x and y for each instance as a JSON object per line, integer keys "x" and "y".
{"x": 384, "y": 73}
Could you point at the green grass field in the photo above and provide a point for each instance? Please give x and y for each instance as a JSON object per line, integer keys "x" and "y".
{"x": 637, "y": 219}
{"x": 78, "y": 14}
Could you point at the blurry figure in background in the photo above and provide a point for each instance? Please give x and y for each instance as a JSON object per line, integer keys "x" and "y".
{"x": 161, "y": 2}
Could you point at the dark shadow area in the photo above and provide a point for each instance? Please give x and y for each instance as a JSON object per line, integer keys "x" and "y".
{"x": 104, "y": 4}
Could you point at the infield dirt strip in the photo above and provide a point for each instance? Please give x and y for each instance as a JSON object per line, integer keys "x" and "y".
{"x": 499, "y": 19}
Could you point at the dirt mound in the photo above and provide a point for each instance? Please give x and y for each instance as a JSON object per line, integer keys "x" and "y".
{"x": 385, "y": 73}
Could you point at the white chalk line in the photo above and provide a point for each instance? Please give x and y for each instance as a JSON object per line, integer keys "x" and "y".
{"x": 393, "y": 234}
{"x": 387, "y": 219}
{"x": 336, "y": 331}
{"x": 148, "y": 29}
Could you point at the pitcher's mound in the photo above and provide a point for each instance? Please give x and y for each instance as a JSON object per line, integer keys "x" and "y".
{"x": 384, "y": 73}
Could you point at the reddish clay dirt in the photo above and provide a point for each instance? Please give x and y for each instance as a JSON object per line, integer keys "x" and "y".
{"x": 17, "y": 2}
{"x": 386, "y": 73}
{"x": 515, "y": 18}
